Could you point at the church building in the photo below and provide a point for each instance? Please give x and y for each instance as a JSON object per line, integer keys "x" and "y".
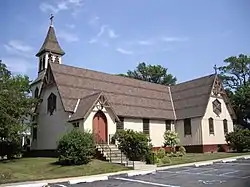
{"x": 73, "y": 97}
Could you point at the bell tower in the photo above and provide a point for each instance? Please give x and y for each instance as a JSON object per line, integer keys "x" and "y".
{"x": 50, "y": 51}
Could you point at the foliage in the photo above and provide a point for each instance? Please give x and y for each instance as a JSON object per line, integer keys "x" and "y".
{"x": 150, "y": 157}
{"x": 15, "y": 107}
{"x": 239, "y": 139}
{"x": 76, "y": 148}
{"x": 165, "y": 160}
{"x": 135, "y": 145}
{"x": 236, "y": 78}
{"x": 182, "y": 150}
{"x": 151, "y": 73}
{"x": 171, "y": 139}
{"x": 10, "y": 148}
{"x": 161, "y": 153}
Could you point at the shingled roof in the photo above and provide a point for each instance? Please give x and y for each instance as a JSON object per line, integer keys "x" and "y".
{"x": 191, "y": 98}
{"x": 50, "y": 43}
{"x": 128, "y": 97}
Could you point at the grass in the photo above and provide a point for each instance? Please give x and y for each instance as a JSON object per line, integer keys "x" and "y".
{"x": 27, "y": 169}
{"x": 196, "y": 157}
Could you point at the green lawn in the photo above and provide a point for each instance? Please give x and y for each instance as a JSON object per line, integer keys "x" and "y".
{"x": 45, "y": 168}
{"x": 196, "y": 157}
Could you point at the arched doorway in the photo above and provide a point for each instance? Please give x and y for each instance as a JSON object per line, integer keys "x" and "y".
{"x": 100, "y": 127}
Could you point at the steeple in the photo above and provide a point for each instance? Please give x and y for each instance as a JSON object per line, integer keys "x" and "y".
{"x": 50, "y": 52}
{"x": 50, "y": 43}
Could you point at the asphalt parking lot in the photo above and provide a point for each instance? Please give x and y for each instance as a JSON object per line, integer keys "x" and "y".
{"x": 230, "y": 174}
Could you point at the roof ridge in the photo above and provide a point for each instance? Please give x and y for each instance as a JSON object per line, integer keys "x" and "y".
{"x": 196, "y": 79}
{"x": 96, "y": 71}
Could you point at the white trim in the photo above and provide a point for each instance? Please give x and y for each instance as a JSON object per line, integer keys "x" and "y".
{"x": 78, "y": 101}
{"x": 170, "y": 94}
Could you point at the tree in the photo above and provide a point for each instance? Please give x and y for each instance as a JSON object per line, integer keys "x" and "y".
{"x": 15, "y": 106}
{"x": 151, "y": 73}
{"x": 236, "y": 78}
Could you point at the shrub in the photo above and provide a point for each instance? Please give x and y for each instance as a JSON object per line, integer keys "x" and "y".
{"x": 10, "y": 148}
{"x": 161, "y": 153}
{"x": 165, "y": 160}
{"x": 182, "y": 150}
{"x": 150, "y": 157}
{"x": 171, "y": 139}
{"x": 239, "y": 140}
{"x": 76, "y": 148}
{"x": 135, "y": 145}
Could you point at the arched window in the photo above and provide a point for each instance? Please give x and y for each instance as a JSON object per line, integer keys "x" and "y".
{"x": 36, "y": 92}
{"x": 225, "y": 126}
{"x": 51, "y": 104}
{"x": 43, "y": 62}
{"x": 211, "y": 125}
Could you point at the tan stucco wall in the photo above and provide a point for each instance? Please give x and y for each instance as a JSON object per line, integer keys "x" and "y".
{"x": 134, "y": 124}
{"x": 195, "y": 138}
{"x": 50, "y": 127}
{"x": 88, "y": 122}
{"x": 218, "y": 137}
{"x": 157, "y": 129}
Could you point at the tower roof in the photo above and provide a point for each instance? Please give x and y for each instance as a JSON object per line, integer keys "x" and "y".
{"x": 50, "y": 43}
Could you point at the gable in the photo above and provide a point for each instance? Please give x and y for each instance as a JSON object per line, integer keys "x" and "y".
{"x": 190, "y": 98}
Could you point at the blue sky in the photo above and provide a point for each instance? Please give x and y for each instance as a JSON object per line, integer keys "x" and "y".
{"x": 187, "y": 37}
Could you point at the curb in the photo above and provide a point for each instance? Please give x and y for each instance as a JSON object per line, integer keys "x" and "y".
{"x": 130, "y": 173}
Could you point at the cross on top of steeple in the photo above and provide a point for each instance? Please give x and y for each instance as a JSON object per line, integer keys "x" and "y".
{"x": 51, "y": 19}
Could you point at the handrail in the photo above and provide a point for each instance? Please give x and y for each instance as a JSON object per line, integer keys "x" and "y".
{"x": 102, "y": 144}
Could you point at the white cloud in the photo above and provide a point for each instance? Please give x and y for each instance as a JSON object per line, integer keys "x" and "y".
{"x": 61, "y": 5}
{"x": 174, "y": 39}
{"x": 105, "y": 31}
{"x": 145, "y": 42}
{"x": 125, "y": 52}
{"x": 112, "y": 33}
{"x": 16, "y": 47}
{"x": 68, "y": 37}
{"x": 18, "y": 65}
{"x": 94, "y": 20}
{"x": 71, "y": 26}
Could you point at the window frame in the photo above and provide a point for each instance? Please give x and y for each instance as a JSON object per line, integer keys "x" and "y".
{"x": 187, "y": 127}
{"x": 211, "y": 126}
{"x": 225, "y": 122}
{"x": 146, "y": 126}
{"x": 120, "y": 125}
{"x": 51, "y": 103}
{"x": 168, "y": 125}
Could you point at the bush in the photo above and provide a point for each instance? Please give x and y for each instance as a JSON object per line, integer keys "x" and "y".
{"x": 161, "y": 153}
{"x": 165, "y": 160}
{"x": 239, "y": 140}
{"x": 150, "y": 157}
{"x": 76, "y": 148}
{"x": 10, "y": 148}
{"x": 135, "y": 145}
{"x": 182, "y": 150}
{"x": 171, "y": 139}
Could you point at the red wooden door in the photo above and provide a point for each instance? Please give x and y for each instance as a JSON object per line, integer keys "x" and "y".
{"x": 100, "y": 127}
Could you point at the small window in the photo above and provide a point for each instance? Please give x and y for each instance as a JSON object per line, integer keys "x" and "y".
{"x": 217, "y": 107}
{"x": 43, "y": 63}
{"x": 34, "y": 132}
{"x": 211, "y": 125}
{"x": 146, "y": 126}
{"x": 76, "y": 124}
{"x": 187, "y": 126}
{"x": 225, "y": 126}
{"x": 40, "y": 64}
{"x": 168, "y": 125}
{"x": 36, "y": 93}
{"x": 120, "y": 125}
{"x": 51, "y": 103}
